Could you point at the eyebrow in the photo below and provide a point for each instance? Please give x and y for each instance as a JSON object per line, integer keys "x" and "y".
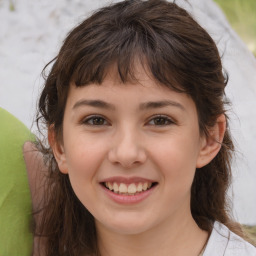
{"x": 161, "y": 104}
{"x": 94, "y": 103}
{"x": 142, "y": 106}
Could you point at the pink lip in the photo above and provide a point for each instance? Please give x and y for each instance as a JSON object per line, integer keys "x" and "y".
{"x": 126, "y": 180}
{"x": 128, "y": 199}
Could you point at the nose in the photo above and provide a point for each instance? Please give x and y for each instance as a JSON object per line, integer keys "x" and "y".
{"x": 127, "y": 149}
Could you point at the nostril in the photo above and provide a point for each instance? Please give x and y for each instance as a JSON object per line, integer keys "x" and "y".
{"x": 127, "y": 154}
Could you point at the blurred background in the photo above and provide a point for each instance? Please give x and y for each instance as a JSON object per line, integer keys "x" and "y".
{"x": 31, "y": 33}
{"x": 241, "y": 14}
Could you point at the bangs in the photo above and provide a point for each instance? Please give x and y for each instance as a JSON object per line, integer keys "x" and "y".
{"x": 167, "y": 43}
{"x": 176, "y": 52}
{"x": 122, "y": 52}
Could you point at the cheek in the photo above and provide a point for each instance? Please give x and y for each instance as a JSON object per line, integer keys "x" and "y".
{"x": 83, "y": 167}
{"x": 176, "y": 158}
{"x": 84, "y": 158}
{"x": 177, "y": 170}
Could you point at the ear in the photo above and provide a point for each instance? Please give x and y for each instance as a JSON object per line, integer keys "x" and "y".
{"x": 211, "y": 144}
{"x": 58, "y": 151}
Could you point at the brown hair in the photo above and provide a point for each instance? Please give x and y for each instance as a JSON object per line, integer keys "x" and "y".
{"x": 179, "y": 54}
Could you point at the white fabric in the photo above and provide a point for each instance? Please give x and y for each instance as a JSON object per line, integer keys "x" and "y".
{"x": 31, "y": 36}
{"x": 223, "y": 242}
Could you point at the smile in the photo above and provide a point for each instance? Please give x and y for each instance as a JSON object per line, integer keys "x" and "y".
{"x": 128, "y": 189}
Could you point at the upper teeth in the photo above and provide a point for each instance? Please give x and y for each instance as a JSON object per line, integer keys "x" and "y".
{"x": 132, "y": 188}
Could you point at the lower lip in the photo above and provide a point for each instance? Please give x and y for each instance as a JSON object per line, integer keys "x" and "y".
{"x": 128, "y": 199}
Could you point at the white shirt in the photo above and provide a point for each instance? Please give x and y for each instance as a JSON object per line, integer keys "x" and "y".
{"x": 223, "y": 242}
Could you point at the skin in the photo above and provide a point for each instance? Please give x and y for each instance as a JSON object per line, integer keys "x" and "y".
{"x": 131, "y": 138}
{"x": 37, "y": 172}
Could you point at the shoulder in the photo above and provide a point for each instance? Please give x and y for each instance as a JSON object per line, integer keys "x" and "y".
{"x": 15, "y": 200}
{"x": 224, "y": 242}
{"x": 36, "y": 171}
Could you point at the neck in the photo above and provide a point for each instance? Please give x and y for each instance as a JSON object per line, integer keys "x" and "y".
{"x": 178, "y": 237}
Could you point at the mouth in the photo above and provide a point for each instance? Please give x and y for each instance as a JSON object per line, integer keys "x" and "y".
{"x": 129, "y": 189}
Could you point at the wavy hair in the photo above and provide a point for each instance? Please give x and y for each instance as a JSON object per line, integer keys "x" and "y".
{"x": 180, "y": 55}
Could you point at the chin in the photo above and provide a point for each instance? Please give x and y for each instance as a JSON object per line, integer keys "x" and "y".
{"x": 126, "y": 226}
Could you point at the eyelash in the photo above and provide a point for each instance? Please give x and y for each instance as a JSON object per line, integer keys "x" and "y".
{"x": 91, "y": 121}
{"x": 93, "y": 118}
{"x": 166, "y": 119}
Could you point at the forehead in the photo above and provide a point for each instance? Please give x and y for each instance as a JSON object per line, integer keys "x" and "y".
{"x": 138, "y": 77}
{"x": 140, "y": 94}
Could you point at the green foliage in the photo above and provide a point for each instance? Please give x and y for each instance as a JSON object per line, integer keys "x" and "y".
{"x": 251, "y": 230}
{"x": 11, "y": 6}
{"x": 242, "y": 16}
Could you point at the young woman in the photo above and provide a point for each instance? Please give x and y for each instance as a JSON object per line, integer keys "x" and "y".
{"x": 140, "y": 151}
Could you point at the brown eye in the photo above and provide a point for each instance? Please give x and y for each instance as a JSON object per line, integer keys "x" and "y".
{"x": 95, "y": 120}
{"x": 160, "y": 121}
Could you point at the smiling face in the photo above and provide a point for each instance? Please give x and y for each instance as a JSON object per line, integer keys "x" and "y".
{"x": 131, "y": 152}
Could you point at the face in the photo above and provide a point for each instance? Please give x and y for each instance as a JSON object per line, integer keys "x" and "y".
{"x": 131, "y": 151}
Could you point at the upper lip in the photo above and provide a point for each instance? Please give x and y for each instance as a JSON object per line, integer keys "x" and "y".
{"x": 126, "y": 180}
